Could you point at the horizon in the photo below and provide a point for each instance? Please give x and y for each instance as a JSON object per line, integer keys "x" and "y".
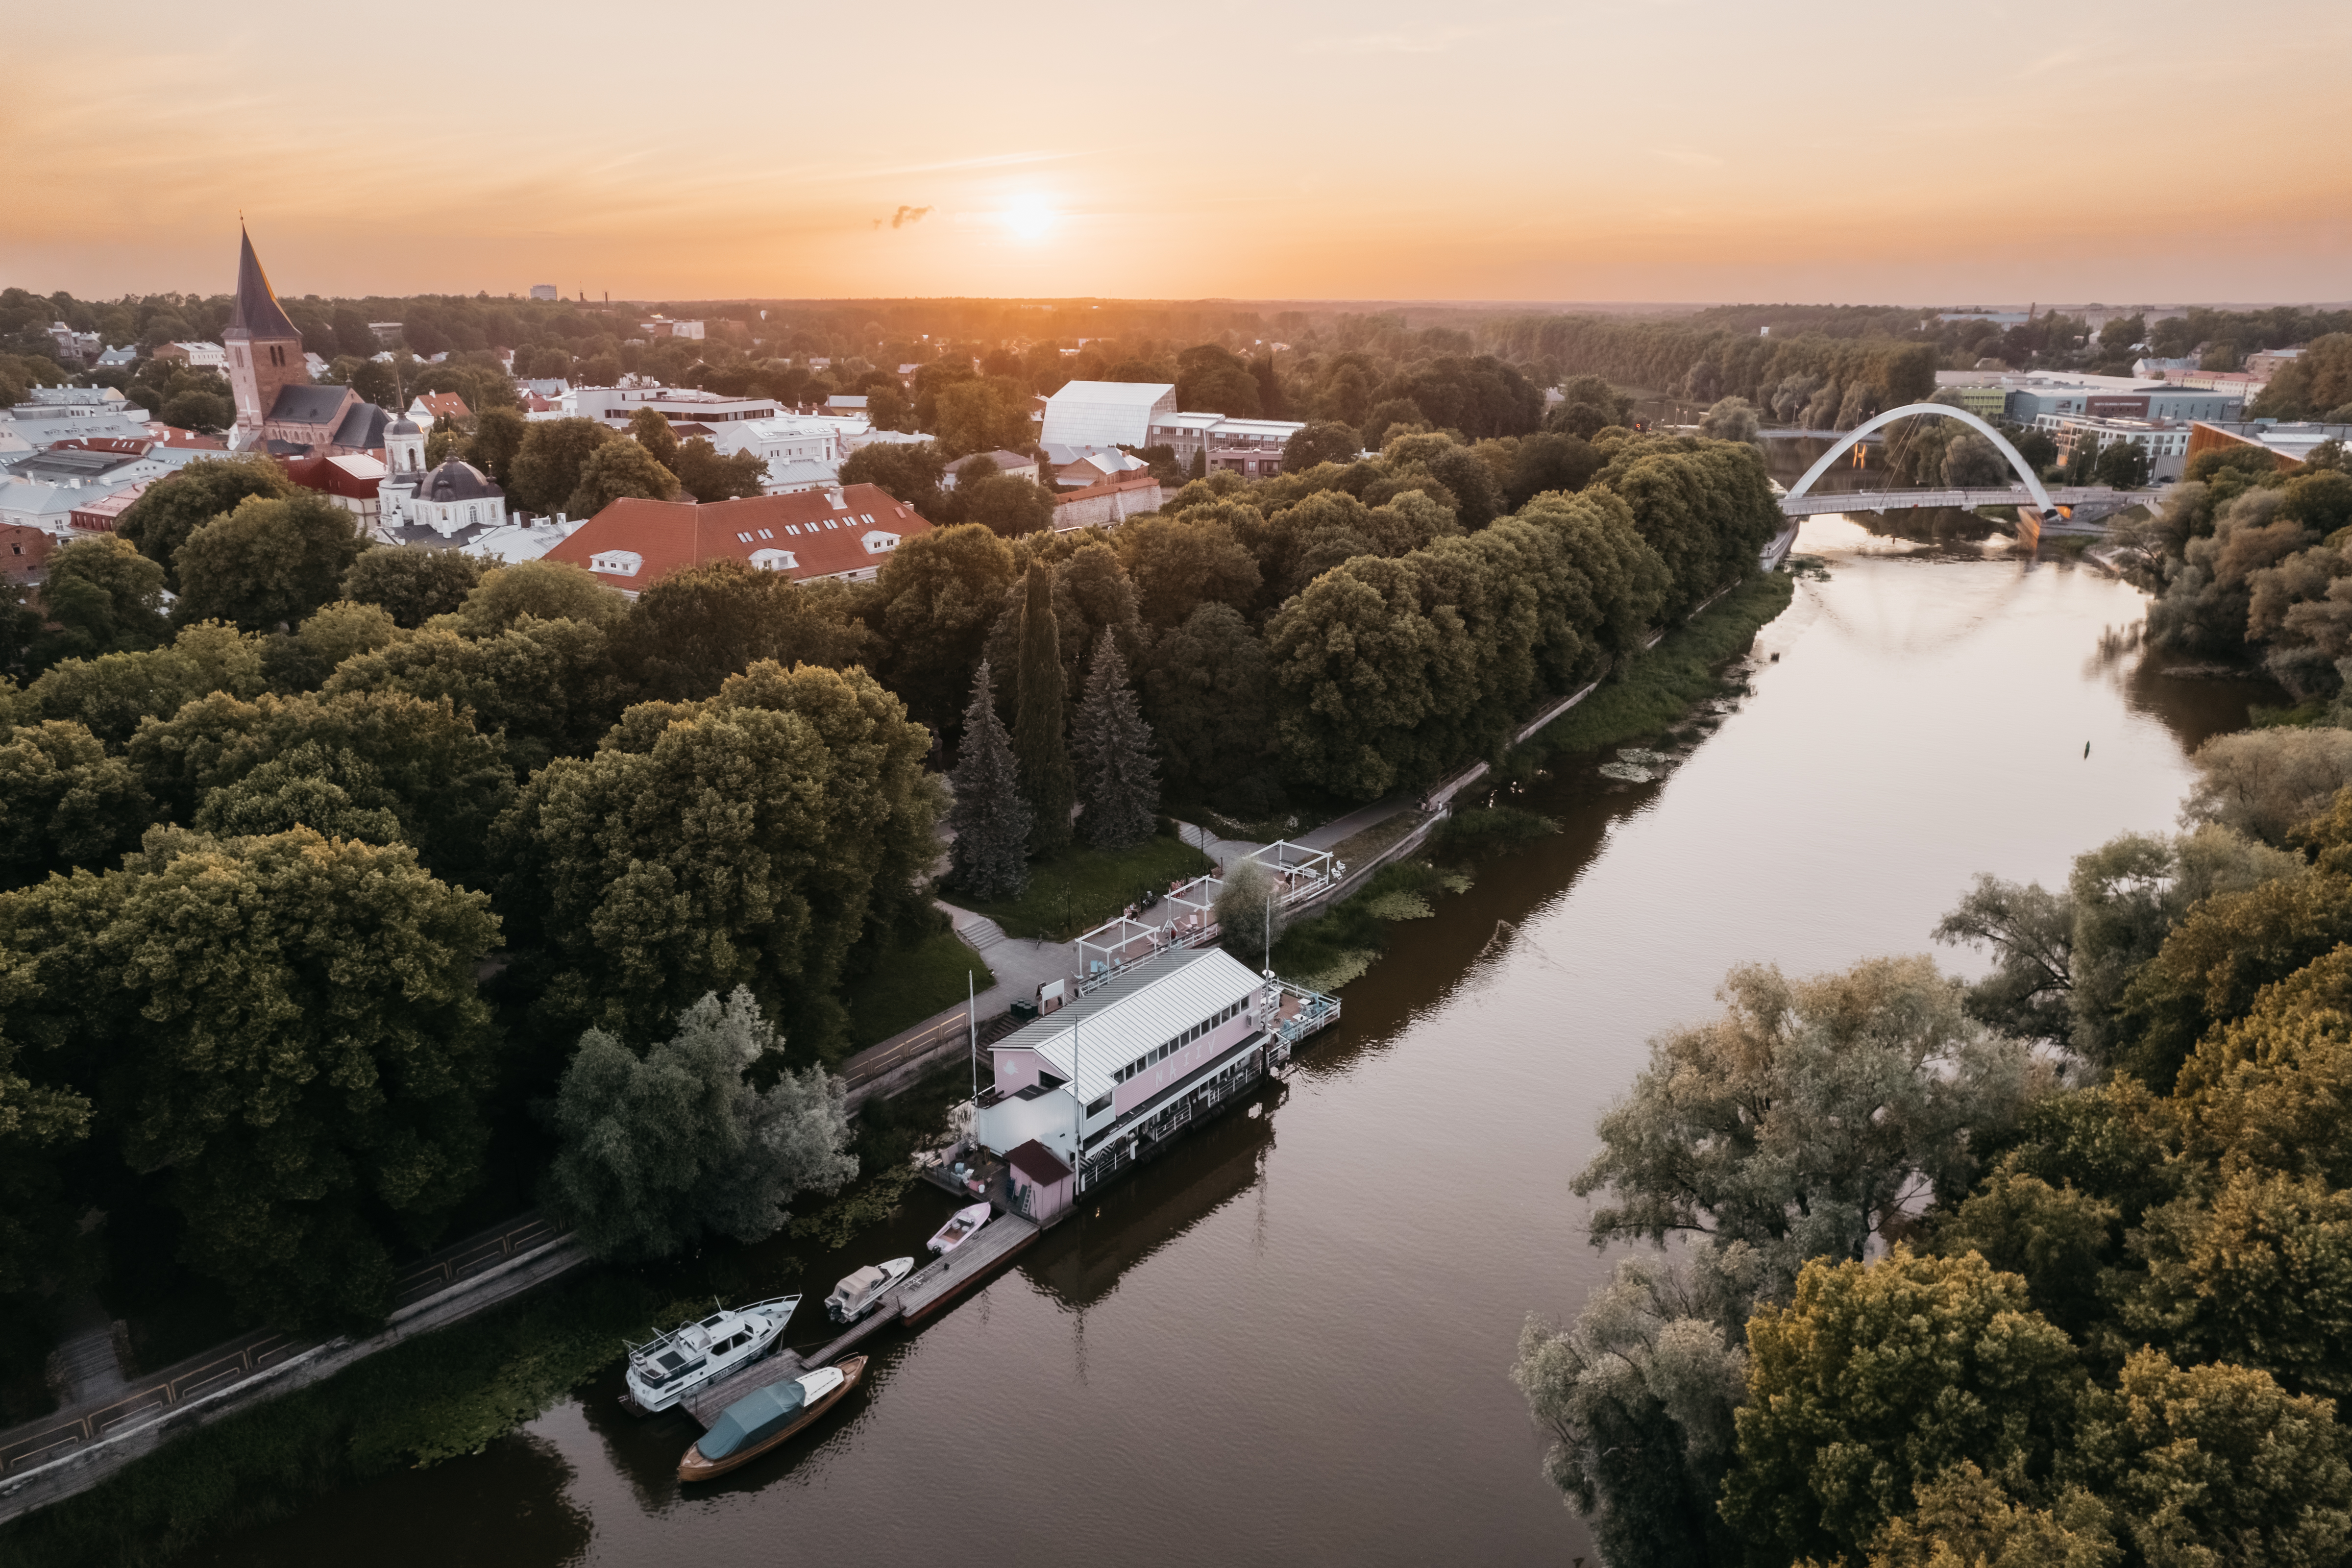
{"x": 1672, "y": 152}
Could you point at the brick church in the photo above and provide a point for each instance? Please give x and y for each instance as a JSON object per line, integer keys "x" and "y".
{"x": 278, "y": 409}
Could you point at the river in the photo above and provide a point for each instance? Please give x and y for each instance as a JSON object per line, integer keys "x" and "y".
{"x": 1289, "y": 1340}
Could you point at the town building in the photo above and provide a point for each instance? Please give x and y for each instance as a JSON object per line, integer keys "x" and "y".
{"x": 1074, "y": 466}
{"x": 122, "y": 358}
{"x": 1984, "y": 402}
{"x": 24, "y": 553}
{"x": 844, "y": 532}
{"x": 1126, "y": 1064}
{"x": 2029, "y": 394}
{"x": 1251, "y": 447}
{"x": 2164, "y": 443}
{"x": 542, "y": 292}
{"x": 103, "y": 462}
{"x": 195, "y": 356}
{"x": 456, "y": 499}
{"x": 429, "y": 406}
{"x": 2287, "y": 443}
{"x": 802, "y": 453}
{"x": 1013, "y": 465}
{"x": 100, "y": 515}
{"x": 352, "y": 480}
{"x": 514, "y": 542}
{"x": 616, "y": 406}
{"x": 1109, "y": 503}
{"x": 1107, "y": 412}
{"x": 279, "y": 408}
{"x": 2265, "y": 364}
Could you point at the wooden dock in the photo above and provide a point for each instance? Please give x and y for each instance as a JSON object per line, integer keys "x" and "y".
{"x": 917, "y": 1298}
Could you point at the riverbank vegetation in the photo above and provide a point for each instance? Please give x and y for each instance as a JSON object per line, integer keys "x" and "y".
{"x": 2043, "y": 1269}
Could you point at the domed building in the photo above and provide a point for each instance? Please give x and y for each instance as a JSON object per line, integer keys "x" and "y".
{"x": 454, "y": 499}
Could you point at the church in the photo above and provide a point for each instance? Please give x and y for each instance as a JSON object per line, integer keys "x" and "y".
{"x": 281, "y": 411}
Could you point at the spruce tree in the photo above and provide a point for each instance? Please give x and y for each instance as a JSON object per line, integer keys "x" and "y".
{"x": 1038, "y": 694}
{"x": 990, "y": 859}
{"x": 1111, "y": 745}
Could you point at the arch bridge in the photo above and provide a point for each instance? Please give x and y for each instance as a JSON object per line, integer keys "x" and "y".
{"x": 2037, "y": 507}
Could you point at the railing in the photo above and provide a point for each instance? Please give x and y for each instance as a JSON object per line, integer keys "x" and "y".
{"x": 865, "y": 1069}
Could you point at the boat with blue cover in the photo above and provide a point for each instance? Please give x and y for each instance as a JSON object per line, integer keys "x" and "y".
{"x": 766, "y": 1417}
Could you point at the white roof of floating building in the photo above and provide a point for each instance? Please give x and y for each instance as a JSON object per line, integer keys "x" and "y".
{"x": 1133, "y": 1012}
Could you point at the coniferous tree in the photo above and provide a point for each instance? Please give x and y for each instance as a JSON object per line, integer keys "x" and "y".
{"x": 1037, "y": 719}
{"x": 990, "y": 818}
{"x": 1111, "y": 745}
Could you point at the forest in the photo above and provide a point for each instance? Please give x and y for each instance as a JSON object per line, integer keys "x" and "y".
{"x": 2050, "y": 1269}
{"x": 350, "y": 893}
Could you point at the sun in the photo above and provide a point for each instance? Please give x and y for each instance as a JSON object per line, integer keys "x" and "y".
{"x": 1029, "y": 219}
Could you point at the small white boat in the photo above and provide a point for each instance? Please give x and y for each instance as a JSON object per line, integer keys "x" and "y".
{"x": 669, "y": 1366}
{"x": 859, "y": 1293}
{"x": 960, "y": 1227}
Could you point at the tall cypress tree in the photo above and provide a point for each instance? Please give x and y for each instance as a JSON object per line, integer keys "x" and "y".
{"x": 1111, "y": 745}
{"x": 1038, "y": 692}
{"x": 990, "y": 859}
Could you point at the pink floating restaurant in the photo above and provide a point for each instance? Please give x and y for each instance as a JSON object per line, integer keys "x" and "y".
{"x": 1106, "y": 1080}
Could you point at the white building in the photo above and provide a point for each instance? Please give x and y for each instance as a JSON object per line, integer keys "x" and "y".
{"x": 616, "y": 406}
{"x": 542, "y": 292}
{"x": 200, "y": 356}
{"x": 1251, "y": 447}
{"x": 1107, "y": 412}
{"x": 1129, "y": 1063}
{"x": 513, "y": 541}
{"x": 802, "y": 453}
{"x": 2163, "y": 443}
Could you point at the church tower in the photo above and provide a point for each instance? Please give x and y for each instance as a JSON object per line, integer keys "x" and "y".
{"x": 264, "y": 352}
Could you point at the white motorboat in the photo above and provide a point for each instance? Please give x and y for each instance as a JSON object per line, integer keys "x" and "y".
{"x": 960, "y": 1227}
{"x": 669, "y": 1366}
{"x": 861, "y": 1293}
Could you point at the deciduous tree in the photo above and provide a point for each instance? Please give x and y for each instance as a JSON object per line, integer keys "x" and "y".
{"x": 178, "y": 504}
{"x": 412, "y": 583}
{"x": 269, "y": 564}
{"x": 548, "y": 464}
{"x": 619, "y": 470}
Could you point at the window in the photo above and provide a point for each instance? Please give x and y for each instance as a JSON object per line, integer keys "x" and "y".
{"x": 1100, "y": 1106}
{"x": 765, "y": 534}
{"x": 743, "y": 539}
{"x": 793, "y": 529}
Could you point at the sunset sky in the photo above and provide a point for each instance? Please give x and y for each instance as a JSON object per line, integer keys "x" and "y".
{"x": 1677, "y": 150}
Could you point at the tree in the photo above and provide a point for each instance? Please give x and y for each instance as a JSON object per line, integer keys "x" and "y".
{"x": 102, "y": 595}
{"x": 203, "y": 409}
{"x": 1177, "y": 564}
{"x": 1004, "y": 505}
{"x": 542, "y": 590}
{"x": 618, "y": 470}
{"x": 546, "y": 688}
{"x": 70, "y": 803}
{"x": 1320, "y": 441}
{"x": 2215, "y": 1464}
{"x": 990, "y": 820}
{"x": 548, "y": 464}
{"x": 650, "y": 429}
{"x": 1730, "y": 419}
{"x": 691, "y": 630}
{"x": 1110, "y": 747}
{"x": 290, "y": 1028}
{"x": 412, "y": 583}
{"x": 1637, "y": 1396}
{"x": 1037, "y": 718}
{"x": 2264, "y": 782}
{"x": 497, "y": 441}
{"x": 1966, "y": 1517}
{"x": 906, "y": 471}
{"x": 113, "y": 693}
{"x": 934, "y": 600}
{"x": 708, "y": 477}
{"x": 745, "y": 840}
{"x": 178, "y": 504}
{"x": 2122, "y": 464}
{"x": 1211, "y": 378}
{"x": 269, "y": 564}
{"x": 981, "y": 416}
{"x": 1386, "y": 417}
{"x": 654, "y": 1152}
{"x": 1805, "y": 1119}
{"x": 1875, "y": 1381}
{"x": 1249, "y": 920}
{"x": 1971, "y": 463}
{"x": 1206, "y": 688}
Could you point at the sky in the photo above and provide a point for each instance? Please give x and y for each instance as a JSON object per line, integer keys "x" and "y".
{"x": 1639, "y": 149}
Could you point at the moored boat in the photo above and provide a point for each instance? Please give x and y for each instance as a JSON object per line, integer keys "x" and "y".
{"x": 960, "y": 1227}
{"x": 766, "y": 1417}
{"x": 669, "y": 1366}
{"x": 859, "y": 1293}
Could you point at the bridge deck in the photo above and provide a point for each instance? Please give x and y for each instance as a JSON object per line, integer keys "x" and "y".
{"x": 2083, "y": 496}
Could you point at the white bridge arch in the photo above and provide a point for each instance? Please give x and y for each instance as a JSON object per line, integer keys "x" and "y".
{"x": 1844, "y": 443}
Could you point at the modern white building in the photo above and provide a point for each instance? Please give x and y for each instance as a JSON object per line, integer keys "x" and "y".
{"x": 1251, "y": 447}
{"x": 2164, "y": 443}
{"x": 802, "y": 453}
{"x": 1107, "y": 412}
{"x": 1131, "y": 1062}
{"x": 616, "y": 406}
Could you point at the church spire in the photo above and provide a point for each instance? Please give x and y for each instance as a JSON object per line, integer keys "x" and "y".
{"x": 257, "y": 313}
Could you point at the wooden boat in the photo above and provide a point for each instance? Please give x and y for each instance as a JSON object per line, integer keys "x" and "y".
{"x": 669, "y": 1366}
{"x": 766, "y": 1417}
{"x": 859, "y": 1293}
{"x": 960, "y": 1227}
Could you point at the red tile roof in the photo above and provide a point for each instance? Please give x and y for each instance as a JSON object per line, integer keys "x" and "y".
{"x": 440, "y": 402}
{"x": 820, "y": 538}
{"x": 172, "y": 435}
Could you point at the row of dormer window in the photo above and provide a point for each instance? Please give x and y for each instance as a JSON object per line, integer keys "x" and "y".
{"x": 1161, "y": 1053}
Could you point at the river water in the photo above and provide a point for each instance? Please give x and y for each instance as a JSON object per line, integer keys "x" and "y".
{"x": 1288, "y": 1341}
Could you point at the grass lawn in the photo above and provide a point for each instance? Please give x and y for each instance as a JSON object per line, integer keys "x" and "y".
{"x": 1656, "y": 689}
{"x": 1080, "y": 888}
{"x": 910, "y": 984}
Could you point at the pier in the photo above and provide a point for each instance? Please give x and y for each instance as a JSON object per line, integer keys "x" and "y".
{"x": 915, "y": 1298}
